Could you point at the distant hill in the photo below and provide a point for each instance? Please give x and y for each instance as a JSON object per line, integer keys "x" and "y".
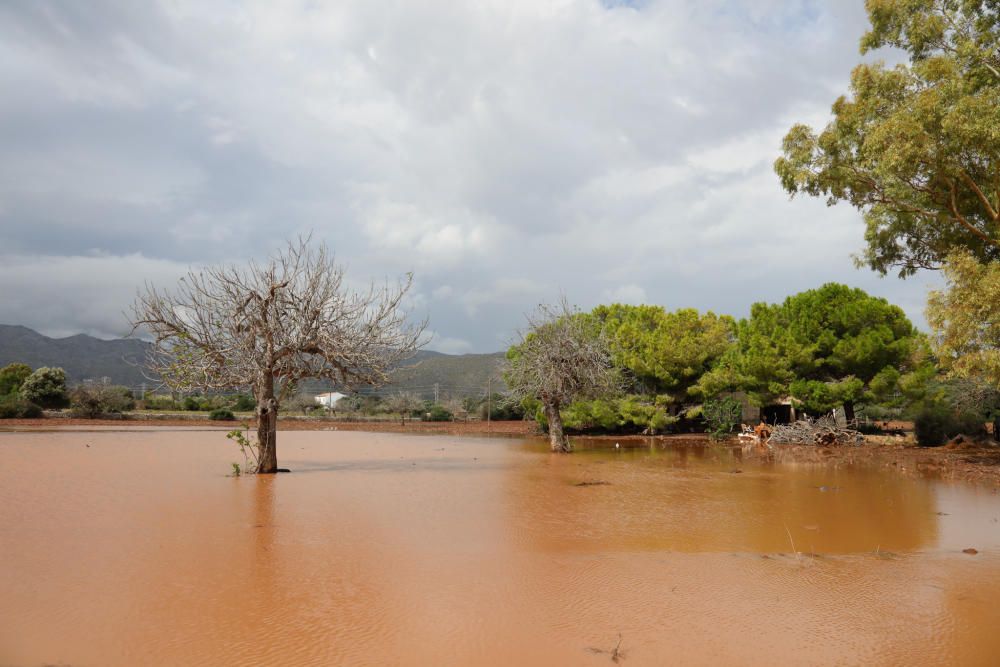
{"x": 82, "y": 357}
{"x": 456, "y": 375}
{"x": 87, "y": 358}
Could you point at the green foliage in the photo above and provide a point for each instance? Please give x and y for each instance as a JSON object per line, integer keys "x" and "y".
{"x": 915, "y": 147}
{"x": 247, "y": 448}
{"x": 221, "y": 415}
{"x": 243, "y": 403}
{"x": 631, "y": 414}
{"x": 501, "y": 408}
{"x": 966, "y": 318}
{"x": 15, "y": 407}
{"x": 818, "y": 397}
{"x": 46, "y": 387}
{"x": 199, "y": 403}
{"x": 722, "y": 416}
{"x": 666, "y": 352}
{"x": 92, "y": 402}
{"x": 158, "y": 402}
{"x": 936, "y": 423}
{"x": 437, "y": 413}
{"x": 822, "y": 346}
{"x": 12, "y": 376}
{"x": 236, "y": 469}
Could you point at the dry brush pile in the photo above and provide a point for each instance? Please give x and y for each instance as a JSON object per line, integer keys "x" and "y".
{"x": 823, "y": 431}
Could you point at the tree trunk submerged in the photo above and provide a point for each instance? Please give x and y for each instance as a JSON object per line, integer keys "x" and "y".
{"x": 557, "y": 437}
{"x": 267, "y": 436}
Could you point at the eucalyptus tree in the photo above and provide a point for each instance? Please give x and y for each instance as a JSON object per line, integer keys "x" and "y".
{"x": 965, "y": 319}
{"x": 270, "y": 325}
{"x": 561, "y": 356}
{"x": 916, "y": 146}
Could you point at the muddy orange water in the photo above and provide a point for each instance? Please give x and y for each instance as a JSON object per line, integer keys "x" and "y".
{"x": 133, "y": 547}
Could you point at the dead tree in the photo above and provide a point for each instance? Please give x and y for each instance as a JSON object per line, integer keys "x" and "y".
{"x": 561, "y": 356}
{"x": 268, "y": 326}
{"x": 402, "y": 403}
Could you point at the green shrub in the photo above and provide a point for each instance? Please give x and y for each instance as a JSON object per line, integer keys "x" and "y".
{"x": 46, "y": 387}
{"x": 935, "y": 424}
{"x": 12, "y": 376}
{"x": 630, "y": 414}
{"x": 722, "y": 416}
{"x": 244, "y": 403}
{"x": 157, "y": 402}
{"x": 191, "y": 404}
{"x": 221, "y": 415}
{"x": 92, "y": 402}
{"x": 500, "y": 409}
{"x": 15, "y": 407}
{"x": 437, "y": 413}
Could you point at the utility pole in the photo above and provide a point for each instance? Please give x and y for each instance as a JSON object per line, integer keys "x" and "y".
{"x": 437, "y": 388}
{"x": 489, "y": 401}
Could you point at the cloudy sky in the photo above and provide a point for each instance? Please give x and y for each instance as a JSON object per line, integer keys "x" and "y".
{"x": 505, "y": 151}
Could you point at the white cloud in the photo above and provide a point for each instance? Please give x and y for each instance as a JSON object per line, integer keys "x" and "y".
{"x": 504, "y": 151}
{"x": 61, "y": 296}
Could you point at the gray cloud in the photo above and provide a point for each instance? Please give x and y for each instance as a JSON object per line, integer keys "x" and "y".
{"x": 503, "y": 151}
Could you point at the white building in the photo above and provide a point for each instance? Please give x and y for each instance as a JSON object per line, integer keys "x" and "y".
{"x": 329, "y": 399}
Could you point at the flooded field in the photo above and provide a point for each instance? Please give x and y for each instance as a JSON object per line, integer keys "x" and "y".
{"x": 133, "y": 547}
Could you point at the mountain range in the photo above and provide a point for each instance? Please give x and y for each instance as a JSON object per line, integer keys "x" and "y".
{"x": 120, "y": 360}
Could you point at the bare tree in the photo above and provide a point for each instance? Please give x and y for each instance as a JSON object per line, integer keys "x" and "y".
{"x": 402, "y": 403}
{"x": 268, "y": 326}
{"x": 561, "y": 356}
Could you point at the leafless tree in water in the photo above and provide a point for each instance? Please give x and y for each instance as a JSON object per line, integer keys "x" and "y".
{"x": 562, "y": 355}
{"x": 268, "y": 326}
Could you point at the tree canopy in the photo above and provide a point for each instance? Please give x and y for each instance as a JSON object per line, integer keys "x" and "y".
{"x": 46, "y": 387}
{"x": 915, "y": 147}
{"x": 268, "y": 326}
{"x": 563, "y": 355}
{"x": 666, "y": 352}
{"x": 824, "y": 347}
{"x": 12, "y": 376}
{"x": 965, "y": 319}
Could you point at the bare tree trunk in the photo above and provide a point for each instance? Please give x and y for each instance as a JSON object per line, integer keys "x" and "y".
{"x": 267, "y": 428}
{"x": 557, "y": 438}
{"x": 849, "y": 411}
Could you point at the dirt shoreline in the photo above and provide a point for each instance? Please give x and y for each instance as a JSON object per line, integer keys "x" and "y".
{"x": 975, "y": 464}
